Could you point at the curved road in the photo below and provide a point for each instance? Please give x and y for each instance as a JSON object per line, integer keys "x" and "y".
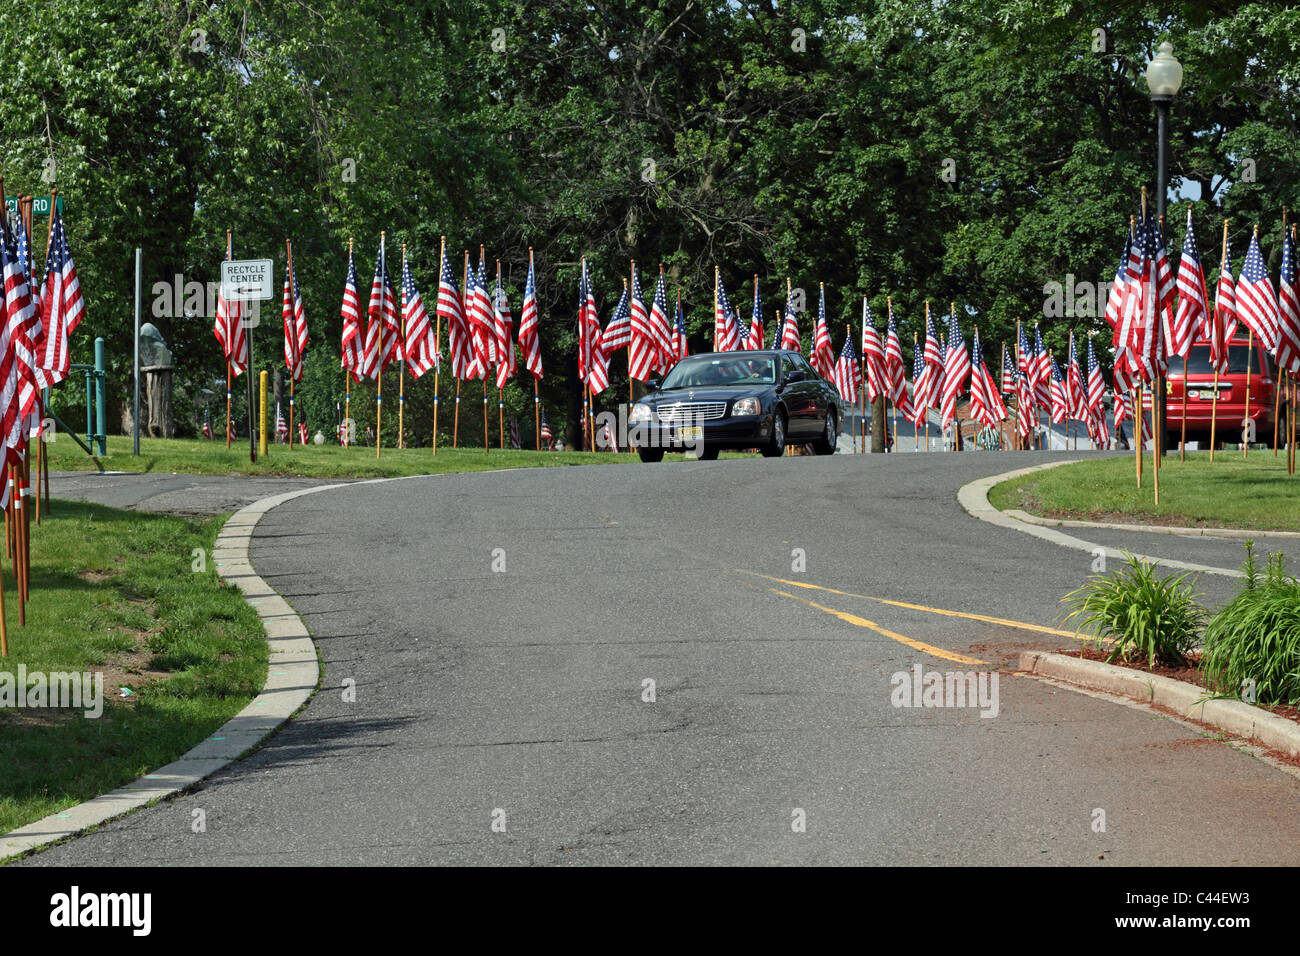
{"x": 504, "y": 716}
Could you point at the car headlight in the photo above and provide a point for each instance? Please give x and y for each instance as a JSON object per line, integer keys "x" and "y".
{"x": 639, "y": 413}
{"x": 745, "y": 406}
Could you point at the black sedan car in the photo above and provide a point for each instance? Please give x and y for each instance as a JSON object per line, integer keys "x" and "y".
{"x": 736, "y": 400}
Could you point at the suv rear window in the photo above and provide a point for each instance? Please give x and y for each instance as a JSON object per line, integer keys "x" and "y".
{"x": 1198, "y": 361}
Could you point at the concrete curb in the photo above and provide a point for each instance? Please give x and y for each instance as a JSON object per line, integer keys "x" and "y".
{"x": 1230, "y": 716}
{"x": 974, "y": 497}
{"x": 291, "y": 677}
{"x": 1237, "y": 533}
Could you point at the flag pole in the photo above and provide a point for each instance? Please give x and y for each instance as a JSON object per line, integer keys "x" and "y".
{"x": 401, "y": 362}
{"x": 485, "y": 378}
{"x": 288, "y": 255}
{"x": 1277, "y": 389}
{"x": 537, "y": 424}
{"x": 1002, "y": 377}
{"x": 379, "y": 371}
{"x": 889, "y": 308}
{"x": 227, "y": 361}
{"x": 437, "y": 341}
{"x": 716, "y": 274}
{"x": 347, "y": 381}
{"x": 501, "y": 395}
{"x": 1250, "y": 343}
{"x": 1219, "y": 346}
{"x": 927, "y": 379}
{"x": 1020, "y": 412}
{"x": 464, "y": 311}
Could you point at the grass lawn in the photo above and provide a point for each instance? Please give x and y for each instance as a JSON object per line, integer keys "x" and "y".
{"x": 1229, "y": 493}
{"x": 114, "y": 592}
{"x": 203, "y": 457}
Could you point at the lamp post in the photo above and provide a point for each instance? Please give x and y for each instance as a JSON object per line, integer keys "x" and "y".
{"x": 1164, "y": 76}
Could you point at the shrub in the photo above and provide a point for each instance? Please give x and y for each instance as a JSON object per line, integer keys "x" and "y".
{"x": 1256, "y": 636}
{"x": 1143, "y": 613}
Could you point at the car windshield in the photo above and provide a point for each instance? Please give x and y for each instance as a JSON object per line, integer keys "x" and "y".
{"x": 722, "y": 370}
{"x": 1198, "y": 361}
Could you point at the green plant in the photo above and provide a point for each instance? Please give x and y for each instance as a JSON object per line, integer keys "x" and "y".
{"x": 1256, "y": 636}
{"x": 1143, "y": 613}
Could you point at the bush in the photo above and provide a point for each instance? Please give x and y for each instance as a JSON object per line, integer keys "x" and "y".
{"x": 1144, "y": 614}
{"x": 1257, "y": 636}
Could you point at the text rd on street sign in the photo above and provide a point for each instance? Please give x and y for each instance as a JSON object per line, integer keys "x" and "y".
{"x": 40, "y": 205}
{"x": 243, "y": 280}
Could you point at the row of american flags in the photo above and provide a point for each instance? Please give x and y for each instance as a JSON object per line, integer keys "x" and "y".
{"x": 40, "y": 316}
{"x": 1154, "y": 316}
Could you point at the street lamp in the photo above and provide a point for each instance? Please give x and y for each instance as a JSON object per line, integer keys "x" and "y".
{"x": 1164, "y": 77}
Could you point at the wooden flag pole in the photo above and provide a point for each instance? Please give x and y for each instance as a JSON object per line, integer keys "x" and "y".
{"x": 501, "y": 395}
{"x": 401, "y": 362}
{"x": 4, "y": 627}
{"x": 486, "y": 439}
{"x": 716, "y": 275}
{"x": 437, "y": 341}
{"x": 20, "y": 563}
{"x": 537, "y": 424}
{"x": 464, "y": 311}
{"x": 288, "y": 256}
{"x": 379, "y": 358}
{"x": 228, "y": 361}
{"x": 1245, "y": 424}
{"x": 926, "y": 413}
{"x": 347, "y": 385}
{"x": 889, "y": 309}
{"x": 1217, "y": 332}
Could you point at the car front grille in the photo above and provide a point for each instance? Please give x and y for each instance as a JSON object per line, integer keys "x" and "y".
{"x": 682, "y": 412}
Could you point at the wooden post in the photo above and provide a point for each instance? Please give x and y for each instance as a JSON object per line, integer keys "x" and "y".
{"x": 401, "y": 362}
{"x": 537, "y": 424}
{"x": 137, "y": 424}
{"x": 288, "y": 257}
{"x": 347, "y": 384}
{"x": 379, "y": 370}
{"x": 1137, "y": 429}
{"x": 464, "y": 311}
{"x": 437, "y": 339}
{"x": 1217, "y": 331}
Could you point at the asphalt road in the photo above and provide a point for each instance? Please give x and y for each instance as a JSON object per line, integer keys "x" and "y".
{"x": 518, "y": 696}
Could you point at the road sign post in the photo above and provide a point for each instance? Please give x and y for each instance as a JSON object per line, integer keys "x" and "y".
{"x": 248, "y": 280}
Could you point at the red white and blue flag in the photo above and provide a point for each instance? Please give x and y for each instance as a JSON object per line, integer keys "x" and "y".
{"x": 957, "y": 368}
{"x": 350, "y": 352}
{"x": 823, "y": 354}
{"x": 421, "y": 346}
{"x": 1256, "y": 301}
{"x": 986, "y": 405}
{"x": 848, "y": 374}
{"x": 529, "y": 338}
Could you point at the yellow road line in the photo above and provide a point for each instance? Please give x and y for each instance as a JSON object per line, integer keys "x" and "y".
{"x": 863, "y": 622}
{"x": 1005, "y": 622}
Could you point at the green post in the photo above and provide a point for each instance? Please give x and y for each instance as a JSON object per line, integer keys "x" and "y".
{"x": 101, "y": 431}
{"x": 90, "y": 407}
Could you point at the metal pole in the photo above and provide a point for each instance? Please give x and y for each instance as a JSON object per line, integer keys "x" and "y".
{"x": 100, "y": 425}
{"x": 1162, "y": 187}
{"x": 135, "y": 414}
{"x": 248, "y": 374}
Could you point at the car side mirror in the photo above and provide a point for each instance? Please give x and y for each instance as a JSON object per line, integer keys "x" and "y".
{"x": 798, "y": 375}
{"x": 652, "y": 384}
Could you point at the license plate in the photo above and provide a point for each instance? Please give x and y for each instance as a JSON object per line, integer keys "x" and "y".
{"x": 691, "y": 433}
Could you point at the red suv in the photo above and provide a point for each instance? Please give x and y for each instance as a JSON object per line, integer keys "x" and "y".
{"x": 1230, "y": 412}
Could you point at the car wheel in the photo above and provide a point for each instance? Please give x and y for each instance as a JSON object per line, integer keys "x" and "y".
{"x": 825, "y": 445}
{"x": 651, "y": 454}
{"x": 776, "y": 447}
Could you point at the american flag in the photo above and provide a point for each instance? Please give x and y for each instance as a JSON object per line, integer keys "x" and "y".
{"x": 229, "y": 328}
{"x": 619, "y": 331}
{"x": 383, "y": 322}
{"x": 1224, "y": 324}
{"x": 1026, "y": 370}
{"x": 1288, "y": 288}
{"x": 207, "y": 424}
{"x": 608, "y": 440}
{"x": 790, "y": 330}
{"x": 503, "y": 327}
{"x": 1166, "y": 290}
{"x": 933, "y": 364}
{"x": 350, "y": 357}
{"x": 681, "y": 349}
{"x": 1041, "y": 374}
{"x": 514, "y": 433}
{"x": 755, "y": 338}
{"x": 1193, "y": 312}
{"x": 25, "y": 259}
{"x": 742, "y": 332}
{"x": 302, "y": 432}
{"x": 1115, "y": 300}
{"x": 986, "y": 405}
{"x": 1075, "y": 389}
{"x": 61, "y": 305}
{"x": 421, "y": 344}
{"x": 593, "y": 361}
{"x": 1096, "y": 395}
{"x": 1059, "y": 398}
{"x": 480, "y": 324}
{"x": 895, "y": 370}
{"x": 547, "y": 437}
{"x": 1008, "y": 382}
{"x": 725, "y": 324}
{"x": 661, "y": 325}
{"x": 1137, "y": 329}
{"x": 1026, "y": 412}
{"x": 873, "y": 356}
{"x": 848, "y": 374}
{"x": 957, "y": 368}
{"x": 823, "y": 355}
{"x": 281, "y": 429}
{"x": 919, "y": 408}
{"x": 451, "y": 308}
{"x": 1256, "y": 301}
{"x": 295, "y": 325}
{"x": 642, "y": 353}
{"x": 529, "y": 339}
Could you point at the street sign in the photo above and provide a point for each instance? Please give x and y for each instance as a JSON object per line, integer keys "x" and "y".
{"x": 244, "y": 280}
{"x": 40, "y": 205}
